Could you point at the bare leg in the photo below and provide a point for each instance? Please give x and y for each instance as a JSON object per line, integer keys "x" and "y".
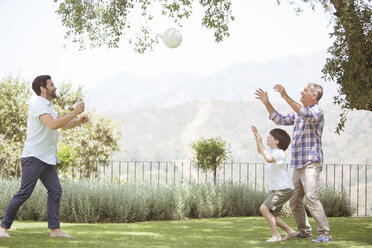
{"x": 290, "y": 232}
{"x": 57, "y": 233}
{"x": 270, "y": 218}
{"x": 4, "y": 233}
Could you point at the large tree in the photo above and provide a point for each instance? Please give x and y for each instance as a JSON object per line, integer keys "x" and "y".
{"x": 106, "y": 22}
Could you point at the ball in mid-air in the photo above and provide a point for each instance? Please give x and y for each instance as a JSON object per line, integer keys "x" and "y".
{"x": 172, "y": 38}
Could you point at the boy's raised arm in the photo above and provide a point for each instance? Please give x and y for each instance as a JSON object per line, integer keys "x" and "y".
{"x": 261, "y": 148}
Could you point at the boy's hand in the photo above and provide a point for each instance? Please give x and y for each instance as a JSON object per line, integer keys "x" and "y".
{"x": 256, "y": 134}
{"x": 262, "y": 95}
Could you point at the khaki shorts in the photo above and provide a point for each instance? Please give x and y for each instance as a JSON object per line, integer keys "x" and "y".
{"x": 277, "y": 199}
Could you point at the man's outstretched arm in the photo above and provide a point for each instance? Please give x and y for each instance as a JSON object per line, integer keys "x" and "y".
{"x": 60, "y": 122}
{"x": 75, "y": 122}
{"x": 294, "y": 105}
{"x": 262, "y": 96}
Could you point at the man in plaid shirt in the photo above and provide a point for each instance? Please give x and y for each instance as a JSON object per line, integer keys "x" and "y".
{"x": 307, "y": 156}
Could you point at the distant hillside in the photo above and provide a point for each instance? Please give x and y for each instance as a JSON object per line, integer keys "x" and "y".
{"x": 164, "y": 134}
{"x": 161, "y": 115}
{"x": 123, "y": 92}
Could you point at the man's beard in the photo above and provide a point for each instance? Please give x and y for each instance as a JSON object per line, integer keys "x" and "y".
{"x": 52, "y": 94}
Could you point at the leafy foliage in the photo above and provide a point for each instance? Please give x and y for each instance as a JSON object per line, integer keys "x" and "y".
{"x": 349, "y": 65}
{"x": 106, "y": 22}
{"x": 14, "y": 98}
{"x": 335, "y": 202}
{"x": 210, "y": 153}
{"x": 94, "y": 141}
{"x": 350, "y": 61}
{"x": 90, "y": 201}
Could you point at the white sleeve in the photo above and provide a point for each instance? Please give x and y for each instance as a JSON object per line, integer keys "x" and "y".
{"x": 40, "y": 109}
{"x": 279, "y": 156}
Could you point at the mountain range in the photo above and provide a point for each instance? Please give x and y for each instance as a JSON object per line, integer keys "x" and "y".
{"x": 160, "y": 116}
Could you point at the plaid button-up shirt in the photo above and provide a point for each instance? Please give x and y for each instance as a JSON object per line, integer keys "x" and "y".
{"x": 307, "y": 134}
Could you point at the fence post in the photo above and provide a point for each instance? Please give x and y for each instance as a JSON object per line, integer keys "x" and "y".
{"x": 247, "y": 173}
{"x": 150, "y": 172}
{"x": 119, "y": 171}
{"x": 240, "y": 171}
{"x": 334, "y": 176}
{"x": 135, "y": 171}
{"x": 198, "y": 173}
{"x": 158, "y": 173}
{"x": 358, "y": 192}
{"x": 174, "y": 172}
{"x": 143, "y": 171}
{"x": 166, "y": 173}
{"x": 342, "y": 178}
{"x": 190, "y": 173}
{"x": 366, "y": 189}
{"x": 263, "y": 176}
{"x": 127, "y": 171}
{"x": 182, "y": 172}
{"x": 350, "y": 182}
{"x": 255, "y": 176}
{"x": 224, "y": 172}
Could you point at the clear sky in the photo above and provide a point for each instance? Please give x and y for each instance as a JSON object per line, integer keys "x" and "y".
{"x": 32, "y": 40}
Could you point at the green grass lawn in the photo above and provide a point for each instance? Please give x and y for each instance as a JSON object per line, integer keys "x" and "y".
{"x": 222, "y": 232}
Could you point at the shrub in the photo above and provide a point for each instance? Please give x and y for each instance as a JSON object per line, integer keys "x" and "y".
{"x": 90, "y": 201}
{"x": 336, "y": 203}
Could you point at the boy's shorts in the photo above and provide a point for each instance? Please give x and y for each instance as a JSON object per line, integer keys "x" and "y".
{"x": 277, "y": 199}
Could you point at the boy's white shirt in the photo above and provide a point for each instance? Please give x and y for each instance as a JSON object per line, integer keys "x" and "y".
{"x": 277, "y": 175}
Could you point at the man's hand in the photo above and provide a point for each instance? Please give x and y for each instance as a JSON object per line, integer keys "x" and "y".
{"x": 262, "y": 95}
{"x": 79, "y": 108}
{"x": 280, "y": 89}
{"x": 84, "y": 119}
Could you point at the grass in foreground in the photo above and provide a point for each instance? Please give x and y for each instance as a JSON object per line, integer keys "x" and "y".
{"x": 221, "y": 232}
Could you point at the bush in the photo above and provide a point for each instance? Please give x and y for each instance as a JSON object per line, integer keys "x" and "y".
{"x": 90, "y": 201}
{"x": 336, "y": 203}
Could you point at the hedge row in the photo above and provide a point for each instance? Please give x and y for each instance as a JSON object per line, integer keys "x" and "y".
{"x": 91, "y": 201}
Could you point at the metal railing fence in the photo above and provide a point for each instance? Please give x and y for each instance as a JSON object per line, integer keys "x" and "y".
{"x": 354, "y": 180}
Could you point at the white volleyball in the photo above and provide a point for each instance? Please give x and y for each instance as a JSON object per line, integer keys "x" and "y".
{"x": 172, "y": 38}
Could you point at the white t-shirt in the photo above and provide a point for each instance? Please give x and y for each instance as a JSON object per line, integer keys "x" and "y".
{"x": 41, "y": 141}
{"x": 277, "y": 174}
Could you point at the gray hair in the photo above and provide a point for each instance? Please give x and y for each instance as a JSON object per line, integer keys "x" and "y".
{"x": 317, "y": 89}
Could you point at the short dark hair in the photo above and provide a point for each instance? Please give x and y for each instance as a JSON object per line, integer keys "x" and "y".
{"x": 40, "y": 81}
{"x": 282, "y": 136}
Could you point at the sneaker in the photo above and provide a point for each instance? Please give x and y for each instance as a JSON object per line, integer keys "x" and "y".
{"x": 302, "y": 236}
{"x": 322, "y": 238}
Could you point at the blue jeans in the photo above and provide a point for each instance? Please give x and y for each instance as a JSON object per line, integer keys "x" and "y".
{"x": 32, "y": 170}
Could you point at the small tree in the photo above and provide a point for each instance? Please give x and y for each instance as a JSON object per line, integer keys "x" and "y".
{"x": 210, "y": 154}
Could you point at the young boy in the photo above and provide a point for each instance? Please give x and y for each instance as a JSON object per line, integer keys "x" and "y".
{"x": 278, "y": 179}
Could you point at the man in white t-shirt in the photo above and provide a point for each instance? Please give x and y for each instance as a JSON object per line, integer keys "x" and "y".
{"x": 278, "y": 179}
{"x": 39, "y": 155}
